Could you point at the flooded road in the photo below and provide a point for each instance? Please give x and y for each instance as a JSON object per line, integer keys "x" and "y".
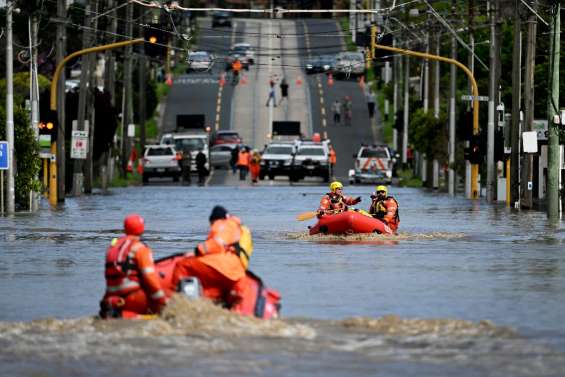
{"x": 465, "y": 288}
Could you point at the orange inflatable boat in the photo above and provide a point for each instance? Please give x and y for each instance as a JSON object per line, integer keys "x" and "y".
{"x": 349, "y": 222}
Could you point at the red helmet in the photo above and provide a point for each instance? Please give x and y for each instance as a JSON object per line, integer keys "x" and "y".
{"x": 134, "y": 225}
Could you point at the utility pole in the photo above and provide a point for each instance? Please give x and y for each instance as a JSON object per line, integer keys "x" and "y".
{"x": 527, "y": 170}
{"x": 406, "y": 109}
{"x": 127, "y": 100}
{"x": 452, "y": 94}
{"x": 516, "y": 101}
{"x": 60, "y": 55}
{"x": 491, "y": 104}
{"x": 34, "y": 94}
{"x": 107, "y": 160}
{"x": 141, "y": 105}
{"x": 395, "y": 94}
{"x": 83, "y": 99}
{"x": 426, "y": 85}
{"x": 11, "y": 197}
{"x": 553, "y": 153}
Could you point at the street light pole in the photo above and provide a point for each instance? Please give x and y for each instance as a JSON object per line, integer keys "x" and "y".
{"x": 10, "y": 199}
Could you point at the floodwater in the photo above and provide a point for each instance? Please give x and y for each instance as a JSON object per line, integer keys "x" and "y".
{"x": 465, "y": 288}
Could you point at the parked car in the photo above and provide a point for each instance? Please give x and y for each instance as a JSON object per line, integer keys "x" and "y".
{"x": 373, "y": 164}
{"x": 220, "y": 155}
{"x": 221, "y": 19}
{"x": 160, "y": 161}
{"x": 226, "y": 137}
{"x": 320, "y": 64}
{"x": 312, "y": 160}
{"x": 199, "y": 61}
{"x": 277, "y": 159}
{"x": 246, "y": 50}
{"x": 349, "y": 64}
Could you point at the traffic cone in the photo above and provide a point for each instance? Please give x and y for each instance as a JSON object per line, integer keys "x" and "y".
{"x": 169, "y": 80}
{"x": 130, "y": 166}
{"x": 330, "y": 79}
{"x": 222, "y": 81}
{"x": 298, "y": 81}
{"x": 362, "y": 82}
{"x": 140, "y": 166}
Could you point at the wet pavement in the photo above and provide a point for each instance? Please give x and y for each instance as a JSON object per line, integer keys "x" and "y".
{"x": 466, "y": 288}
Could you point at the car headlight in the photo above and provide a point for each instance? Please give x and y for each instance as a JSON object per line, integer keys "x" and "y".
{"x": 287, "y": 162}
{"x": 308, "y": 66}
{"x": 326, "y": 67}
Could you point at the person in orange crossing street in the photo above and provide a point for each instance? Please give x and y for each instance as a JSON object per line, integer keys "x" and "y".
{"x": 334, "y": 201}
{"x": 333, "y": 160}
{"x": 132, "y": 285}
{"x": 236, "y": 68}
{"x": 255, "y": 165}
{"x": 243, "y": 159}
{"x": 216, "y": 262}
{"x": 385, "y": 208}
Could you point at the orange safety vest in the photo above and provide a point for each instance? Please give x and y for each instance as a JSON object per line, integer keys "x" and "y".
{"x": 236, "y": 65}
{"x": 243, "y": 159}
{"x": 219, "y": 250}
{"x": 332, "y": 203}
{"x": 333, "y": 157}
{"x": 386, "y": 210}
{"x": 130, "y": 267}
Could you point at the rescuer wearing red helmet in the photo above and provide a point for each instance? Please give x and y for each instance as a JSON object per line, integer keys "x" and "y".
{"x": 334, "y": 201}
{"x": 132, "y": 285}
{"x": 217, "y": 263}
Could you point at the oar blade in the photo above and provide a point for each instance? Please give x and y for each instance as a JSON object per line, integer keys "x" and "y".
{"x": 306, "y": 216}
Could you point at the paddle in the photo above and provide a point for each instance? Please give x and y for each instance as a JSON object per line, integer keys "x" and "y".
{"x": 306, "y": 216}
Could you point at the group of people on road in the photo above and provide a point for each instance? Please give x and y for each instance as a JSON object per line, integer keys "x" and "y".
{"x": 246, "y": 161}
{"x": 344, "y": 106}
{"x": 383, "y": 206}
{"x": 185, "y": 161}
{"x": 133, "y": 286}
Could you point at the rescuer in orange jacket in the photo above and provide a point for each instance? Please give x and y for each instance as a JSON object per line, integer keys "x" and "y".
{"x": 132, "y": 286}
{"x": 255, "y": 166}
{"x": 334, "y": 201}
{"x": 385, "y": 208}
{"x": 243, "y": 160}
{"x": 333, "y": 160}
{"x": 217, "y": 264}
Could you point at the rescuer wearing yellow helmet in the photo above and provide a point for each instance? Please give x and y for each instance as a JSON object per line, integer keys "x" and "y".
{"x": 334, "y": 201}
{"x": 385, "y": 207}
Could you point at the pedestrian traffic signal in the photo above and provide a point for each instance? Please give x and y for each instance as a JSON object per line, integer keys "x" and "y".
{"x": 156, "y": 40}
{"x": 474, "y": 153}
{"x": 48, "y": 124}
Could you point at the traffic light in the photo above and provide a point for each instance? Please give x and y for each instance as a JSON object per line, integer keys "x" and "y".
{"x": 156, "y": 40}
{"x": 380, "y": 54}
{"x": 499, "y": 144}
{"x": 474, "y": 153}
{"x": 48, "y": 124}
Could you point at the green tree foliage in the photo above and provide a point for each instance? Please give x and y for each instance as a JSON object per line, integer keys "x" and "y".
{"x": 429, "y": 134}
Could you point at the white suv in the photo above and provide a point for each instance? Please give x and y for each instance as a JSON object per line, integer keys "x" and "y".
{"x": 160, "y": 161}
{"x": 312, "y": 160}
{"x": 373, "y": 164}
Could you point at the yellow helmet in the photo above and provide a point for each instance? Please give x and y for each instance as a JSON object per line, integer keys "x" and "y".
{"x": 382, "y": 188}
{"x": 335, "y": 185}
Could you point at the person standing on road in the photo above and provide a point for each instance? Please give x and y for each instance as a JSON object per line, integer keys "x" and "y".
{"x": 334, "y": 201}
{"x": 385, "y": 208}
{"x": 348, "y": 109}
{"x": 186, "y": 166}
{"x": 255, "y": 165}
{"x": 132, "y": 285}
{"x": 284, "y": 90}
{"x": 201, "y": 167}
{"x": 236, "y": 68}
{"x": 243, "y": 163}
{"x": 336, "y": 109}
{"x": 371, "y": 103}
{"x": 233, "y": 158}
{"x": 272, "y": 94}
{"x": 332, "y": 160}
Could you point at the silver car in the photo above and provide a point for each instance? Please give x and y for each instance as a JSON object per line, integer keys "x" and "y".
{"x": 199, "y": 61}
{"x": 349, "y": 64}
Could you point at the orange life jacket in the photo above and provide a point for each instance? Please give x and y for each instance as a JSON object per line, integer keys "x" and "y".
{"x": 387, "y": 210}
{"x": 332, "y": 203}
{"x": 129, "y": 262}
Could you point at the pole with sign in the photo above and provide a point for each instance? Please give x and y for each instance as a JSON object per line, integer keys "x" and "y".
{"x": 4, "y": 164}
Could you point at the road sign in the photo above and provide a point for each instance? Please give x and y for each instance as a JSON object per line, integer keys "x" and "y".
{"x": 79, "y": 144}
{"x": 4, "y": 162}
{"x": 467, "y": 97}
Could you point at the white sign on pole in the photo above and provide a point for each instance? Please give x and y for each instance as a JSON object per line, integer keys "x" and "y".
{"x": 467, "y": 97}
{"x": 79, "y": 144}
{"x": 131, "y": 130}
{"x": 530, "y": 141}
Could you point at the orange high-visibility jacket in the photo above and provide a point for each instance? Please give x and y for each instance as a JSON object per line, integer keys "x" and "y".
{"x": 332, "y": 203}
{"x": 218, "y": 251}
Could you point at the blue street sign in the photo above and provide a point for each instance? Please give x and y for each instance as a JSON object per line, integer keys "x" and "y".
{"x": 3, "y": 155}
